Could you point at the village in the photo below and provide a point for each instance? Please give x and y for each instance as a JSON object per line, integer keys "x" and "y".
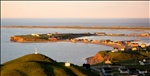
{"x": 108, "y": 68}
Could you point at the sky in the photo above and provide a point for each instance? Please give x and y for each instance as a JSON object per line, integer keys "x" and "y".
{"x": 75, "y": 9}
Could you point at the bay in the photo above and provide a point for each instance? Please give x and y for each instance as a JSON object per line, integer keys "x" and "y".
{"x": 129, "y": 22}
{"x": 59, "y": 51}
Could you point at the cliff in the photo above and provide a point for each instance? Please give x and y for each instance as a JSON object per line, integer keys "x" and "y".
{"x": 102, "y": 56}
{"x": 41, "y": 65}
{"x": 95, "y": 59}
{"x": 16, "y": 39}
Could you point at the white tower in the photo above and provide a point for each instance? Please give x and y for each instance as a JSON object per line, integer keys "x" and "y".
{"x": 35, "y": 51}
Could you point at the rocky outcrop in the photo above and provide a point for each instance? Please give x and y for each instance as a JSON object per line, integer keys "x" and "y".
{"x": 95, "y": 59}
{"x": 16, "y": 39}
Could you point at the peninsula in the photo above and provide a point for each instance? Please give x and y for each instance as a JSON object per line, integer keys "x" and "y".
{"x": 74, "y": 37}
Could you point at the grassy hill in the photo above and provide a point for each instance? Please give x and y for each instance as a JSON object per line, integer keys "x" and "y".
{"x": 41, "y": 65}
{"x": 119, "y": 56}
{"x": 128, "y": 59}
{"x": 125, "y": 55}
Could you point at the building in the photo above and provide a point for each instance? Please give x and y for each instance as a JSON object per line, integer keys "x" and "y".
{"x": 49, "y": 34}
{"x": 107, "y": 71}
{"x": 107, "y": 62}
{"x": 74, "y": 40}
{"x": 123, "y": 70}
{"x": 143, "y": 45}
{"x": 87, "y": 66}
{"x": 67, "y": 64}
{"x": 134, "y": 48}
{"x": 133, "y": 44}
{"x": 132, "y": 71}
{"x": 100, "y": 33}
{"x": 37, "y": 35}
{"x": 141, "y": 71}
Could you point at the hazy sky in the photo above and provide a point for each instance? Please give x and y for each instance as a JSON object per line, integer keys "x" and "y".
{"x": 75, "y": 9}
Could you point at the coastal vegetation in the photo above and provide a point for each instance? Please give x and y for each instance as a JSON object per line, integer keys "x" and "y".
{"x": 41, "y": 65}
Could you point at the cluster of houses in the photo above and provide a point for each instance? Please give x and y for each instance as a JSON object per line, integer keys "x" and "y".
{"x": 113, "y": 70}
{"x": 144, "y": 62}
{"x": 125, "y": 45}
{"x": 108, "y": 69}
{"x": 118, "y": 45}
{"x": 110, "y": 34}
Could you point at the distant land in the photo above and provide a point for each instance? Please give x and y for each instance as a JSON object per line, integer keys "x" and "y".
{"x": 83, "y": 27}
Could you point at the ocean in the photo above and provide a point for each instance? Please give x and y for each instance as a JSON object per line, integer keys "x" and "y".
{"x": 132, "y": 22}
{"x": 75, "y": 53}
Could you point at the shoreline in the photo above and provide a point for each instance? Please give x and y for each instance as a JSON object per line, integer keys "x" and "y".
{"x": 95, "y": 43}
{"x": 83, "y": 27}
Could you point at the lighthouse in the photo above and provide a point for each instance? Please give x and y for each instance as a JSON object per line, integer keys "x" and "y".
{"x": 35, "y": 51}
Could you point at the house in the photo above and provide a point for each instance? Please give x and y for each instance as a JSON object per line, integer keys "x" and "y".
{"x": 141, "y": 63}
{"x": 110, "y": 42}
{"x": 87, "y": 66}
{"x": 100, "y": 33}
{"x": 114, "y": 50}
{"x": 144, "y": 62}
{"x": 35, "y": 35}
{"x": 141, "y": 71}
{"x": 106, "y": 41}
{"x": 74, "y": 40}
{"x": 67, "y": 64}
{"x": 134, "y": 48}
{"x": 143, "y": 45}
{"x": 85, "y": 40}
{"x": 107, "y": 62}
{"x": 128, "y": 42}
{"x": 49, "y": 34}
{"x": 132, "y": 71}
{"x": 107, "y": 71}
{"x": 133, "y": 44}
{"x": 95, "y": 41}
{"x": 122, "y": 49}
{"x": 123, "y": 70}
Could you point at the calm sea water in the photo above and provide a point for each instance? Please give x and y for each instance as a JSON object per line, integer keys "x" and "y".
{"x": 59, "y": 51}
{"x": 63, "y": 51}
{"x": 75, "y": 22}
